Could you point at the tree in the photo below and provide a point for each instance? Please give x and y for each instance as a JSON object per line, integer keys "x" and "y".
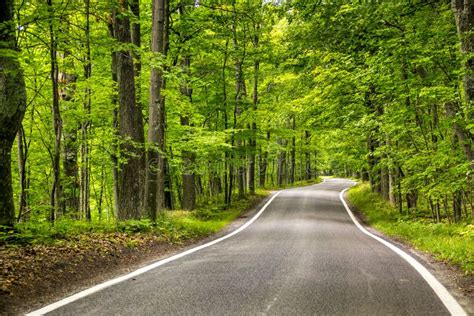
{"x": 12, "y": 107}
{"x": 155, "y": 181}
{"x": 464, "y": 14}
{"x": 130, "y": 123}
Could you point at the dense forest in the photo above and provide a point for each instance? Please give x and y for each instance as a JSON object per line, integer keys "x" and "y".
{"x": 120, "y": 109}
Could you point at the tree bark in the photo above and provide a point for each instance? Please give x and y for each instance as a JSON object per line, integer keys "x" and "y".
{"x": 239, "y": 93}
{"x": 464, "y": 15}
{"x": 307, "y": 155}
{"x": 227, "y": 165}
{"x": 136, "y": 40}
{"x": 115, "y": 149}
{"x": 22, "y": 157}
{"x": 70, "y": 203}
{"x": 263, "y": 165}
{"x": 253, "y": 138}
{"x": 188, "y": 201}
{"x": 281, "y": 170}
{"x": 129, "y": 126}
{"x": 85, "y": 124}
{"x": 155, "y": 175}
{"x": 55, "y": 197}
{"x": 293, "y": 153}
{"x": 12, "y": 108}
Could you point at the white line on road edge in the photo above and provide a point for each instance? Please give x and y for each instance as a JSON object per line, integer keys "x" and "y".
{"x": 451, "y": 304}
{"x": 135, "y": 273}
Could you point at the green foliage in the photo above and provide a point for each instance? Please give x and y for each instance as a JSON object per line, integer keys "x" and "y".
{"x": 173, "y": 226}
{"x": 449, "y": 242}
{"x": 346, "y": 88}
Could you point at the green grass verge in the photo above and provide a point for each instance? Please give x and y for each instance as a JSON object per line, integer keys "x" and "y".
{"x": 173, "y": 226}
{"x": 453, "y": 243}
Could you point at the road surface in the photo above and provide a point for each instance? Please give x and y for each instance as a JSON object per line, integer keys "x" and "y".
{"x": 302, "y": 256}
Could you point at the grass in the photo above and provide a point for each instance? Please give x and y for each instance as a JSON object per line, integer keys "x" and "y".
{"x": 452, "y": 243}
{"x": 173, "y": 226}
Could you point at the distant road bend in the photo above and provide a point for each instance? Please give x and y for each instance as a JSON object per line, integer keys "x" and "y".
{"x": 302, "y": 256}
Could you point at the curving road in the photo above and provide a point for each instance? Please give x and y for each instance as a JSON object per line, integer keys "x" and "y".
{"x": 302, "y": 256}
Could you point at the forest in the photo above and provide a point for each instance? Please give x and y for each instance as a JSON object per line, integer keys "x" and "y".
{"x": 119, "y": 110}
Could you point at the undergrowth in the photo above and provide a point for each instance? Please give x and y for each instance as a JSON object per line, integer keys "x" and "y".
{"x": 173, "y": 226}
{"x": 449, "y": 242}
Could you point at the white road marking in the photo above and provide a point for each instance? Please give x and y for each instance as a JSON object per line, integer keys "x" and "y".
{"x": 448, "y": 300}
{"x": 135, "y": 273}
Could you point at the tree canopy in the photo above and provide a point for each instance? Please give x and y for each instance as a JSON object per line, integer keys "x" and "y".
{"x": 133, "y": 107}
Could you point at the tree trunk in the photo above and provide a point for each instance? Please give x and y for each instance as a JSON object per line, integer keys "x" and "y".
{"x": 188, "y": 201}
{"x": 55, "y": 197}
{"x": 263, "y": 165}
{"x": 281, "y": 171}
{"x": 293, "y": 153}
{"x": 464, "y": 15}
{"x": 307, "y": 154}
{"x": 115, "y": 149}
{"x": 22, "y": 156}
{"x": 12, "y": 108}
{"x": 227, "y": 165}
{"x": 391, "y": 185}
{"x": 155, "y": 176}
{"x": 85, "y": 124}
{"x": 253, "y": 138}
{"x": 136, "y": 40}
{"x": 384, "y": 183}
{"x": 129, "y": 125}
{"x": 239, "y": 93}
{"x": 70, "y": 203}
{"x": 464, "y": 136}
{"x": 457, "y": 206}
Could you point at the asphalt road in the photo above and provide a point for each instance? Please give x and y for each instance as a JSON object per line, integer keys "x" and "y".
{"x": 302, "y": 256}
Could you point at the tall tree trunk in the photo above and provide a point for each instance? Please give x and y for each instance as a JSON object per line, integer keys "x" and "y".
{"x": 168, "y": 189}
{"x": 239, "y": 93}
{"x": 464, "y": 15}
{"x": 115, "y": 149}
{"x": 155, "y": 176}
{"x": 70, "y": 198}
{"x": 55, "y": 197}
{"x": 253, "y": 138}
{"x": 464, "y": 136}
{"x": 129, "y": 125}
{"x": 457, "y": 206}
{"x": 188, "y": 201}
{"x": 263, "y": 164}
{"x": 307, "y": 155}
{"x": 22, "y": 156}
{"x": 136, "y": 40}
{"x": 227, "y": 157}
{"x": 85, "y": 124}
{"x": 281, "y": 169}
{"x": 12, "y": 108}
{"x": 293, "y": 152}
{"x": 391, "y": 187}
